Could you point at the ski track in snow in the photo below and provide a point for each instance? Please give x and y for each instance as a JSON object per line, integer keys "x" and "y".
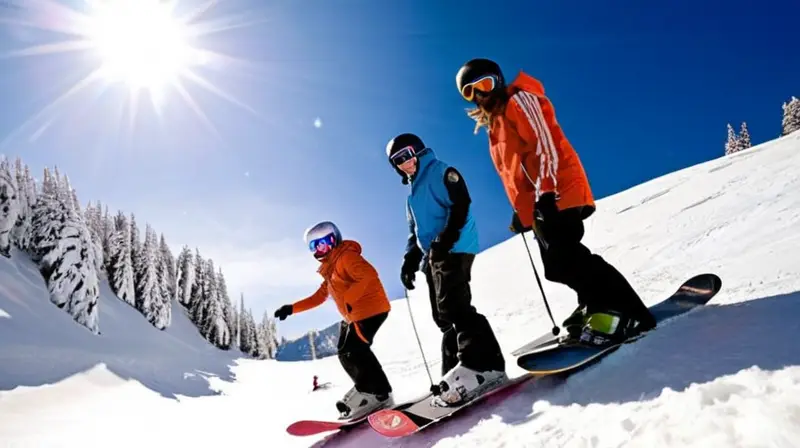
{"x": 724, "y": 375}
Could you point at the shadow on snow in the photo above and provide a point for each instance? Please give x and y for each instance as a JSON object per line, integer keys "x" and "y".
{"x": 705, "y": 344}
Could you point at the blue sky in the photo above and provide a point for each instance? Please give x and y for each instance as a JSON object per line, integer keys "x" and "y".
{"x": 640, "y": 88}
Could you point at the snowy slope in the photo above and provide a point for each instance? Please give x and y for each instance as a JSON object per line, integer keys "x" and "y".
{"x": 726, "y": 375}
{"x": 40, "y": 344}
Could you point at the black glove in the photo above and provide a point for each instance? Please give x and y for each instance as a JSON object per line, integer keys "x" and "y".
{"x": 516, "y": 225}
{"x": 409, "y": 271}
{"x": 407, "y": 275}
{"x": 283, "y": 312}
{"x": 411, "y": 261}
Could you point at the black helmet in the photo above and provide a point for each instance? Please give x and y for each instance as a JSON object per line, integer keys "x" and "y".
{"x": 476, "y": 68}
{"x": 400, "y": 142}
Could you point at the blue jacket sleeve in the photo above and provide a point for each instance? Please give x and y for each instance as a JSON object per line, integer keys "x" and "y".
{"x": 413, "y": 255}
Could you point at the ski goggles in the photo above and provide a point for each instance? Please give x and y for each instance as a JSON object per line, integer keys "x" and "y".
{"x": 480, "y": 86}
{"x": 322, "y": 246}
{"x": 403, "y": 156}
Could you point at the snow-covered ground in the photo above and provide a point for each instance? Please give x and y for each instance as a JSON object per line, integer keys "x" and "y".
{"x": 726, "y": 375}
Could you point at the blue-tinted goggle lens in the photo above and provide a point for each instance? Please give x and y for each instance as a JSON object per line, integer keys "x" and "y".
{"x": 321, "y": 246}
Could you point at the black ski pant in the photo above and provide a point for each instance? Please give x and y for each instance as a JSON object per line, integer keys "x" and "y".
{"x": 466, "y": 334}
{"x": 598, "y": 284}
{"x": 357, "y": 358}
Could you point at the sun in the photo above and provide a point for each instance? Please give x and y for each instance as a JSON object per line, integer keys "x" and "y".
{"x": 157, "y": 48}
{"x": 140, "y": 43}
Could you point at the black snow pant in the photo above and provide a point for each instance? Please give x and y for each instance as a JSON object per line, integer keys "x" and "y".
{"x": 357, "y": 358}
{"x": 598, "y": 284}
{"x": 466, "y": 334}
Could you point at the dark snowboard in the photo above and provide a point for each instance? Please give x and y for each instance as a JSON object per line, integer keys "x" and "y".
{"x": 563, "y": 356}
{"x": 414, "y": 417}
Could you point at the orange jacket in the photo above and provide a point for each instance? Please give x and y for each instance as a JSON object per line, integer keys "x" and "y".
{"x": 351, "y": 281}
{"x": 532, "y": 155}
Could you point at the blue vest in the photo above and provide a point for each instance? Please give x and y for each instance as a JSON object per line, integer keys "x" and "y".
{"x": 429, "y": 206}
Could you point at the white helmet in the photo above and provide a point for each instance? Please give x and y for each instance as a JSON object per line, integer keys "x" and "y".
{"x": 322, "y": 238}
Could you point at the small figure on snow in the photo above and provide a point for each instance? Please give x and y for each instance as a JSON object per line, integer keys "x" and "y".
{"x": 549, "y": 192}
{"x": 443, "y": 241}
{"x": 316, "y": 383}
{"x": 354, "y": 285}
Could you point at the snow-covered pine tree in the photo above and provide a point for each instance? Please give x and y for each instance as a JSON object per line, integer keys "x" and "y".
{"x": 71, "y": 197}
{"x": 106, "y": 231}
{"x": 791, "y": 116}
{"x": 240, "y": 322}
{"x": 67, "y": 262}
{"x": 9, "y": 206}
{"x": 47, "y": 215}
{"x": 312, "y": 343}
{"x": 91, "y": 216}
{"x": 198, "y": 306}
{"x": 26, "y": 197}
{"x": 744, "y": 137}
{"x": 148, "y": 293}
{"x": 185, "y": 275}
{"x": 170, "y": 279}
{"x": 252, "y": 335}
{"x": 732, "y": 144}
{"x": 235, "y": 328}
{"x": 246, "y": 337}
{"x": 120, "y": 265}
{"x": 136, "y": 256}
{"x": 165, "y": 282}
{"x": 262, "y": 329}
{"x": 227, "y": 306}
{"x": 215, "y": 328}
{"x": 272, "y": 335}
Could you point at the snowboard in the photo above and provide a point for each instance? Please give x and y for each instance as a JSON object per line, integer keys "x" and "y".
{"x": 313, "y": 427}
{"x": 414, "y": 417}
{"x": 565, "y": 356}
{"x": 542, "y": 341}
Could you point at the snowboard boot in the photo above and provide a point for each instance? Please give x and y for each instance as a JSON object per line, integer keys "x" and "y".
{"x": 605, "y": 328}
{"x": 357, "y": 404}
{"x": 575, "y": 322}
{"x": 462, "y": 384}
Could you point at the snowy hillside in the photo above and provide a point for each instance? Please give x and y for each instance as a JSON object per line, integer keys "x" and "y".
{"x": 726, "y": 375}
{"x": 40, "y": 344}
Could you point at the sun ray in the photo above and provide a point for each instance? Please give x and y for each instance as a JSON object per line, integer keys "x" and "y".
{"x": 197, "y": 109}
{"x": 35, "y": 136}
{"x": 226, "y": 23}
{"x": 58, "y": 47}
{"x": 75, "y": 89}
{"x": 133, "y": 109}
{"x": 49, "y": 15}
{"x": 197, "y": 79}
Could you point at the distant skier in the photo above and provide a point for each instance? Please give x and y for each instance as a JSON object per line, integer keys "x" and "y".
{"x": 549, "y": 192}
{"x": 361, "y": 299}
{"x": 316, "y": 384}
{"x": 443, "y": 241}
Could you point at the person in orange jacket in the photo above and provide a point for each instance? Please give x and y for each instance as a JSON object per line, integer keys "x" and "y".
{"x": 549, "y": 192}
{"x": 355, "y": 287}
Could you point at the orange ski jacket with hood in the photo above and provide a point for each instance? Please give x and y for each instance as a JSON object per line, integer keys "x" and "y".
{"x": 351, "y": 281}
{"x": 533, "y": 156}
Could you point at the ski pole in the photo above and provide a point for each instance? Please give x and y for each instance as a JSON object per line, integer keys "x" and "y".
{"x": 556, "y": 329}
{"x": 434, "y": 388}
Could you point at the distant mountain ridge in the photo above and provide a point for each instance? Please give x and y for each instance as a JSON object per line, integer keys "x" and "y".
{"x": 299, "y": 349}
